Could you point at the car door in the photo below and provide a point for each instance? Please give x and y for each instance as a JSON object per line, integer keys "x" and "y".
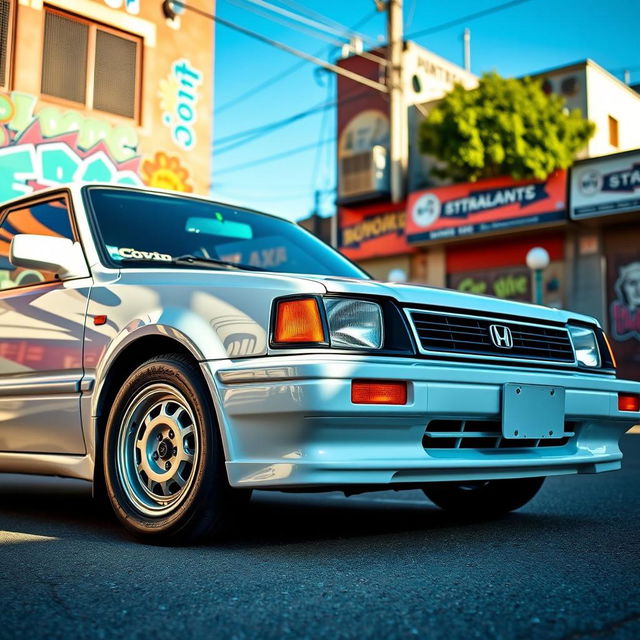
{"x": 41, "y": 338}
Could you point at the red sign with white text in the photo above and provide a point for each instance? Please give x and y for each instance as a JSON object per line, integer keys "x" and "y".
{"x": 373, "y": 231}
{"x": 462, "y": 210}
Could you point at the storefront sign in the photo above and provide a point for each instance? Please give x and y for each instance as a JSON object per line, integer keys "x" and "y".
{"x": 509, "y": 284}
{"x": 606, "y": 185}
{"x": 372, "y": 234}
{"x": 428, "y": 77}
{"x": 484, "y": 206}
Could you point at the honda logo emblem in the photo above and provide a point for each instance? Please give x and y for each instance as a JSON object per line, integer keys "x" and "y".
{"x": 501, "y": 336}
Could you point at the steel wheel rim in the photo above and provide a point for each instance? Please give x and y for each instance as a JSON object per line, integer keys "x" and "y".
{"x": 158, "y": 450}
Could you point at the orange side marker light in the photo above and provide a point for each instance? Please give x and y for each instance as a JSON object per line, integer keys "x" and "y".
{"x": 378, "y": 392}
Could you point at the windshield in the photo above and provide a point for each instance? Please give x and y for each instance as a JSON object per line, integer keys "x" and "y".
{"x": 143, "y": 229}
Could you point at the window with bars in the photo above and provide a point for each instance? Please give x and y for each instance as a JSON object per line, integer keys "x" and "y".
{"x": 90, "y": 64}
{"x": 7, "y": 11}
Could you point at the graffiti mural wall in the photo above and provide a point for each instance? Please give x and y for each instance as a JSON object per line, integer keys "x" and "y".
{"x": 623, "y": 297}
{"x": 47, "y": 140}
{"x": 50, "y": 146}
{"x": 44, "y": 147}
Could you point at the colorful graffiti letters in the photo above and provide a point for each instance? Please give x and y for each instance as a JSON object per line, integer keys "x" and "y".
{"x": 178, "y": 101}
{"x": 53, "y": 147}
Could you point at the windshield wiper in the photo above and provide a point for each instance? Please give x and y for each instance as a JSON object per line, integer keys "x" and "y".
{"x": 191, "y": 259}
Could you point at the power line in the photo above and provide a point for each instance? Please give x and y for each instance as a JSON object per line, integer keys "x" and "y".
{"x": 340, "y": 31}
{"x": 276, "y": 156}
{"x": 300, "y": 8}
{"x": 467, "y": 18}
{"x": 278, "y": 77}
{"x": 336, "y": 43}
{"x": 248, "y": 135}
{"x": 378, "y": 86}
{"x": 274, "y": 18}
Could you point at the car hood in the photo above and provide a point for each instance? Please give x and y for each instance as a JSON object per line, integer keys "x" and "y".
{"x": 455, "y": 301}
{"x": 275, "y": 284}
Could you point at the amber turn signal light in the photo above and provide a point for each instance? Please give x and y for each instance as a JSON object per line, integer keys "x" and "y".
{"x": 628, "y": 402}
{"x": 613, "y": 357}
{"x": 298, "y": 320}
{"x": 378, "y": 392}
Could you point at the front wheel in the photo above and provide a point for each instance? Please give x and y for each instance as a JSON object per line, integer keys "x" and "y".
{"x": 488, "y": 498}
{"x": 163, "y": 458}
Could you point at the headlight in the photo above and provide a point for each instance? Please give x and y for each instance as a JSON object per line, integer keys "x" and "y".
{"x": 354, "y": 324}
{"x": 586, "y": 346}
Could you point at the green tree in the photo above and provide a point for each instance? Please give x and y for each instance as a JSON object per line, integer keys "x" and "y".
{"x": 505, "y": 126}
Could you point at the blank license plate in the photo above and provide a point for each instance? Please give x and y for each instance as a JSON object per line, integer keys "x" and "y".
{"x": 532, "y": 411}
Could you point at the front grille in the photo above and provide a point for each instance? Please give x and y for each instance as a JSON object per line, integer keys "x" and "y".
{"x": 462, "y": 334}
{"x": 482, "y": 434}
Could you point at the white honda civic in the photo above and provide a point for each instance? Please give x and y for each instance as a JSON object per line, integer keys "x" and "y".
{"x": 179, "y": 353}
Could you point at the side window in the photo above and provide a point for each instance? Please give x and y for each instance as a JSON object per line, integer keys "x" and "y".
{"x": 45, "y": 219}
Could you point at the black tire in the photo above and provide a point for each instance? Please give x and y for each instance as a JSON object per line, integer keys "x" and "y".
{"x": 191, "y": 498}
{"x": 484, "y": 499}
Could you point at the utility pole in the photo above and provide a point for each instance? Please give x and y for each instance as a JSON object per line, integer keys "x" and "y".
{"x": 399, "y": 147}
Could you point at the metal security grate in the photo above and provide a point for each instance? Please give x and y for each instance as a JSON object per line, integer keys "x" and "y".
{"x": 115, "y": 74}
{"x": 64, "y": 57}
{"x": 461, "y": 334}
{"x": 482, "y": 434}
{"x": 5, "y": 26}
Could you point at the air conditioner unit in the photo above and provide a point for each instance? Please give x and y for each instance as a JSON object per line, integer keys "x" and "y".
{"x": 364, "y": 175}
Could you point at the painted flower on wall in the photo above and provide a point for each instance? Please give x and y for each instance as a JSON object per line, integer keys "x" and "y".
{"x": 166, "y": 172}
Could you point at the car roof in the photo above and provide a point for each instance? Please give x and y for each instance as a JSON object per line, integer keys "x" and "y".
{"x": 76, "y": 188}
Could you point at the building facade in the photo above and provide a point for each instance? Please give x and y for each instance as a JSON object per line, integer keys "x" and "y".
{"x": 602, "y": 98}
{"x": 109, "y": 90}
{"x": 475, "y": 237}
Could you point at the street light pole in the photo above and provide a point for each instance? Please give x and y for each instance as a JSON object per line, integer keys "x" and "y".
{"x": 397, "y": 109}
{"x": 537, "y": 260}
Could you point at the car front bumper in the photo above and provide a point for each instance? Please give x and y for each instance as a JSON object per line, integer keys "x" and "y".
{"x": 288, "y": 422}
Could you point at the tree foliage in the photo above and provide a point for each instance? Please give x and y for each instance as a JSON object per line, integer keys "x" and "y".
{"x": 505, "y": 126}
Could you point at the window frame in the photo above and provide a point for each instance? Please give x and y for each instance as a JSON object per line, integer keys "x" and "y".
{"x": 63, "y": 194}
{"x": 11, "y": 36}
{"x": 93, "y": 26}
{"x": 614, "y": 131}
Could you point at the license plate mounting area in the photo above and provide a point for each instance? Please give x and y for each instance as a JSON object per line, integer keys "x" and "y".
{"x": 532, "y": 411}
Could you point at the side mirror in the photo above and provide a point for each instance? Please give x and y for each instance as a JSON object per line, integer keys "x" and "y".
{"x": 46, "y": 253}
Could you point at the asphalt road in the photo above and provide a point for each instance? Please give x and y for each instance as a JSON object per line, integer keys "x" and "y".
{"x": 386, "y": 565}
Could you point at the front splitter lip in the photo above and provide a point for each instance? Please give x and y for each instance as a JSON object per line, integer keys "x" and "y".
{"x": 334, "y": 475}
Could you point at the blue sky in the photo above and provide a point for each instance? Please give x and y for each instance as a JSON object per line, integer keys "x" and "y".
{"x": 530, "y": 37}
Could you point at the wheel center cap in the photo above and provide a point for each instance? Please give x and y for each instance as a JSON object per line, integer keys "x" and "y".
{"x": 165, "y": 449}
